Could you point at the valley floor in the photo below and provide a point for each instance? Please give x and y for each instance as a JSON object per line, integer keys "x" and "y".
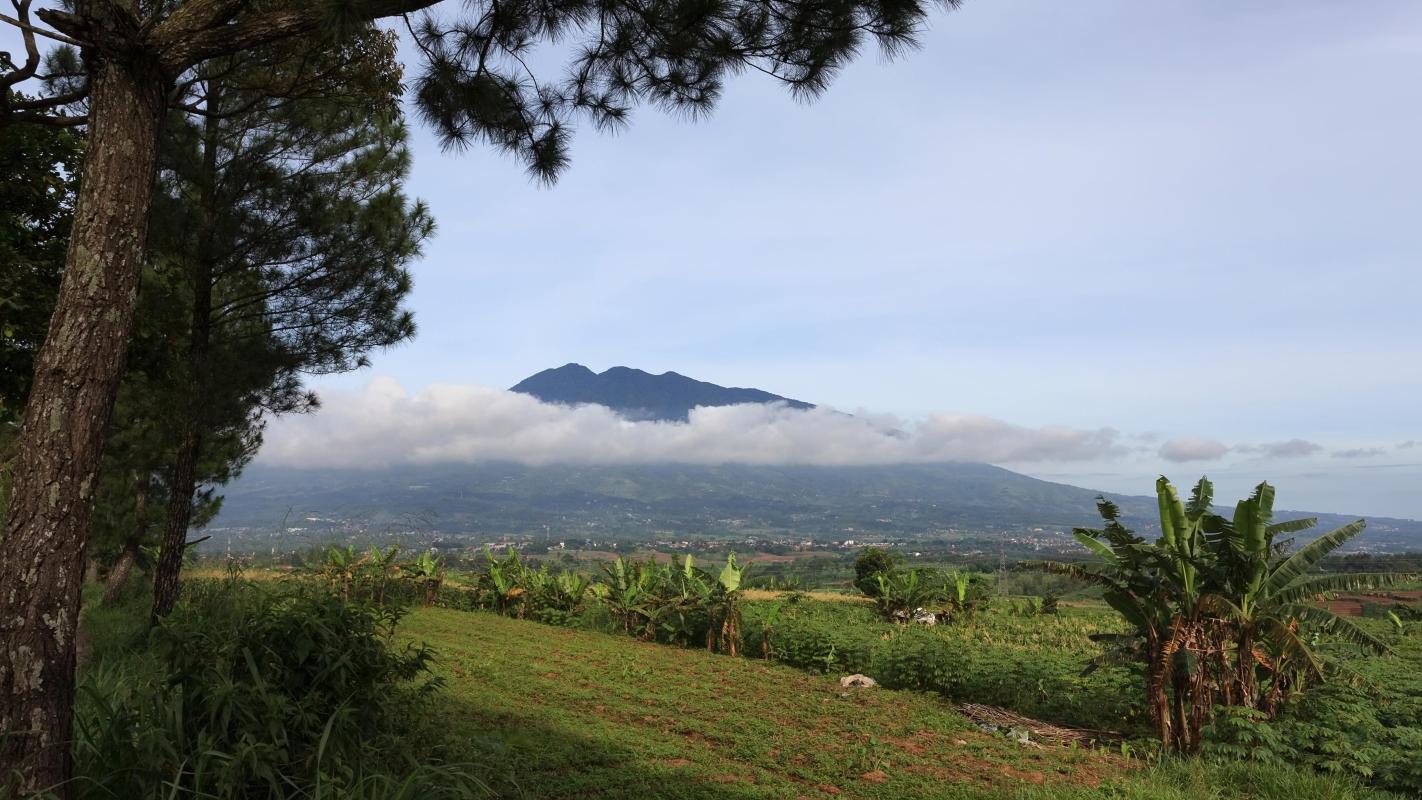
{"x": 548, "y": 712}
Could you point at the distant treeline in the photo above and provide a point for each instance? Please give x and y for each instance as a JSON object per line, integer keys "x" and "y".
{"x": 1410, "y": 563}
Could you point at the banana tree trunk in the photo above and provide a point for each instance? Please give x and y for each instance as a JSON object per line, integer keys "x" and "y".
{"x": 1245, "y": 679}
{"x": 1157, "y": 697}
{"x": 56, "y": 466}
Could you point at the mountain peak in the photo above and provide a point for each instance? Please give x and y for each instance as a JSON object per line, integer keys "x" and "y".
{"x": 637, "y": 394}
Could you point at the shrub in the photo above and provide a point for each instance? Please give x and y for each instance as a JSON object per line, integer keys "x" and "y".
{"x": 1031, "y": 666}
{"x": 1369, "y": 729}
{"x": 872, "y": 563}
{"x": 250, "y": 692}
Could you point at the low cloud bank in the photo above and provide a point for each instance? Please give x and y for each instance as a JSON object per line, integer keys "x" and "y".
{"x": 1293, "y": 448}
{"x": 1196, "y": 449}
{"x": 1192, "y": 449}
{"x": 384, "y": 424}
{"x": 1359, "y": 452}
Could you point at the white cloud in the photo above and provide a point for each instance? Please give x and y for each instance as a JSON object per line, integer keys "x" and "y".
{"x": 1293, "y": 448}
{"x": 1359, "y": 452}
{"x": 1192, "y": 449}
{"x": 384, "y": 424}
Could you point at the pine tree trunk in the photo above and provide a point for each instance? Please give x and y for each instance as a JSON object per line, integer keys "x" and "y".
{"x": 175, "y": 528}
{"x": 118, "y": 575}
{"x": 77, "y": 374}
{"x": 180, "y": 497}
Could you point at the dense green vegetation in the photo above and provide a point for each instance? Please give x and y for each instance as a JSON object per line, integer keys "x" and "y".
{"x": 1370, "y": 727}
{"x": 523, "y": 708}
{"x": 1218, "y": 609}
{"x": 1235, "y": 647}
{"x": 549, "y": 713}
{"x": 1002, "y": 657}
{"x": 256, "y": 690}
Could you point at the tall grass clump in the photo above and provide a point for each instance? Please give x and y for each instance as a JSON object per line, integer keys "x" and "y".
{"x": 259, "y": 691}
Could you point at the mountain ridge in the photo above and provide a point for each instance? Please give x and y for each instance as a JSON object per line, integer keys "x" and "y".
{"x": 639, "y": 395}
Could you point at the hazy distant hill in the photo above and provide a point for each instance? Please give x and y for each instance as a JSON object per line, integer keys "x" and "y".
{"x": 821, "y": 501}
{"x": 827, "y": 503}
{"x": 639, "y": 395}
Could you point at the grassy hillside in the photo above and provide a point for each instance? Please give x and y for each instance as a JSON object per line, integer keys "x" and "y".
{"x": 545, "y": 712}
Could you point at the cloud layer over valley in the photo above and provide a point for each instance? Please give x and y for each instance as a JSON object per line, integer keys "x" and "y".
{"x": 385, "y": 424}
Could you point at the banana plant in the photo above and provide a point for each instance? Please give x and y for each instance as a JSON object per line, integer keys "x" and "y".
{"x": 724, "y": 607}
{"x": 427, "y": 570}
{"x": 340, "y": 568}
{"x": 680, "y": 602}
{"x": 1182, "y": 534}
{"x": 767, "y": 628}
{"x": 505, "y": 583}
{"x": 900, "y": 593}
{"x": 626, "y": 592}
{"x": 1220, "y": 611}
{"x": 964, "y": 597}
{"x": 960, "y": 581}
{"x": 1267, "y": 597}
{"x": 1146, "y": 585}
{"x": 555, "y": 598}
{"x": 379, "y": 570}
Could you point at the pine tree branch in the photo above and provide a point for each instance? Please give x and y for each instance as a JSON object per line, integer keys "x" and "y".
{"x": 32, "y": 56}
{"x": 44, "y": 103}
{"x": 194, "y": 17}
{"x": 195, "y": 46}
{"x": 30, "y": 28}
{"x": 51, "y": 120}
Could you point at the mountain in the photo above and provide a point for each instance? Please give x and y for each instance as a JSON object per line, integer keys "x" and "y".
{"x": 915, "y": 501}
{"x": 639, "y": 395}
{"x": 944, "y": 502}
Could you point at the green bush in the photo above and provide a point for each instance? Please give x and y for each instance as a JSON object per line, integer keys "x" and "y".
{"x": 1369, "y": 729}
{"x": 251, "y": 692}
{"x": 1030, "y": 665}
{"x": 872, "y": 563}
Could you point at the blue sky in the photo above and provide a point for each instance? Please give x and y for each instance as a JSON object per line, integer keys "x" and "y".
{"x": 1196, "y": 221}
{"x": 1056, "y": 213}
{"x": 1186, "y": 234}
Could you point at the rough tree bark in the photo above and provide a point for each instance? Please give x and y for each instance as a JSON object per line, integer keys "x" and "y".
{"x": 118, "y": 575}
{"x": 76, "y": 378}
{"x": 180, "y": 492}
{"x": 180, "y": 508}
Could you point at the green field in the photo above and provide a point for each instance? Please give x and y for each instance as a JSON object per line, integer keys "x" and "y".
{"x": 544, "y": 712}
